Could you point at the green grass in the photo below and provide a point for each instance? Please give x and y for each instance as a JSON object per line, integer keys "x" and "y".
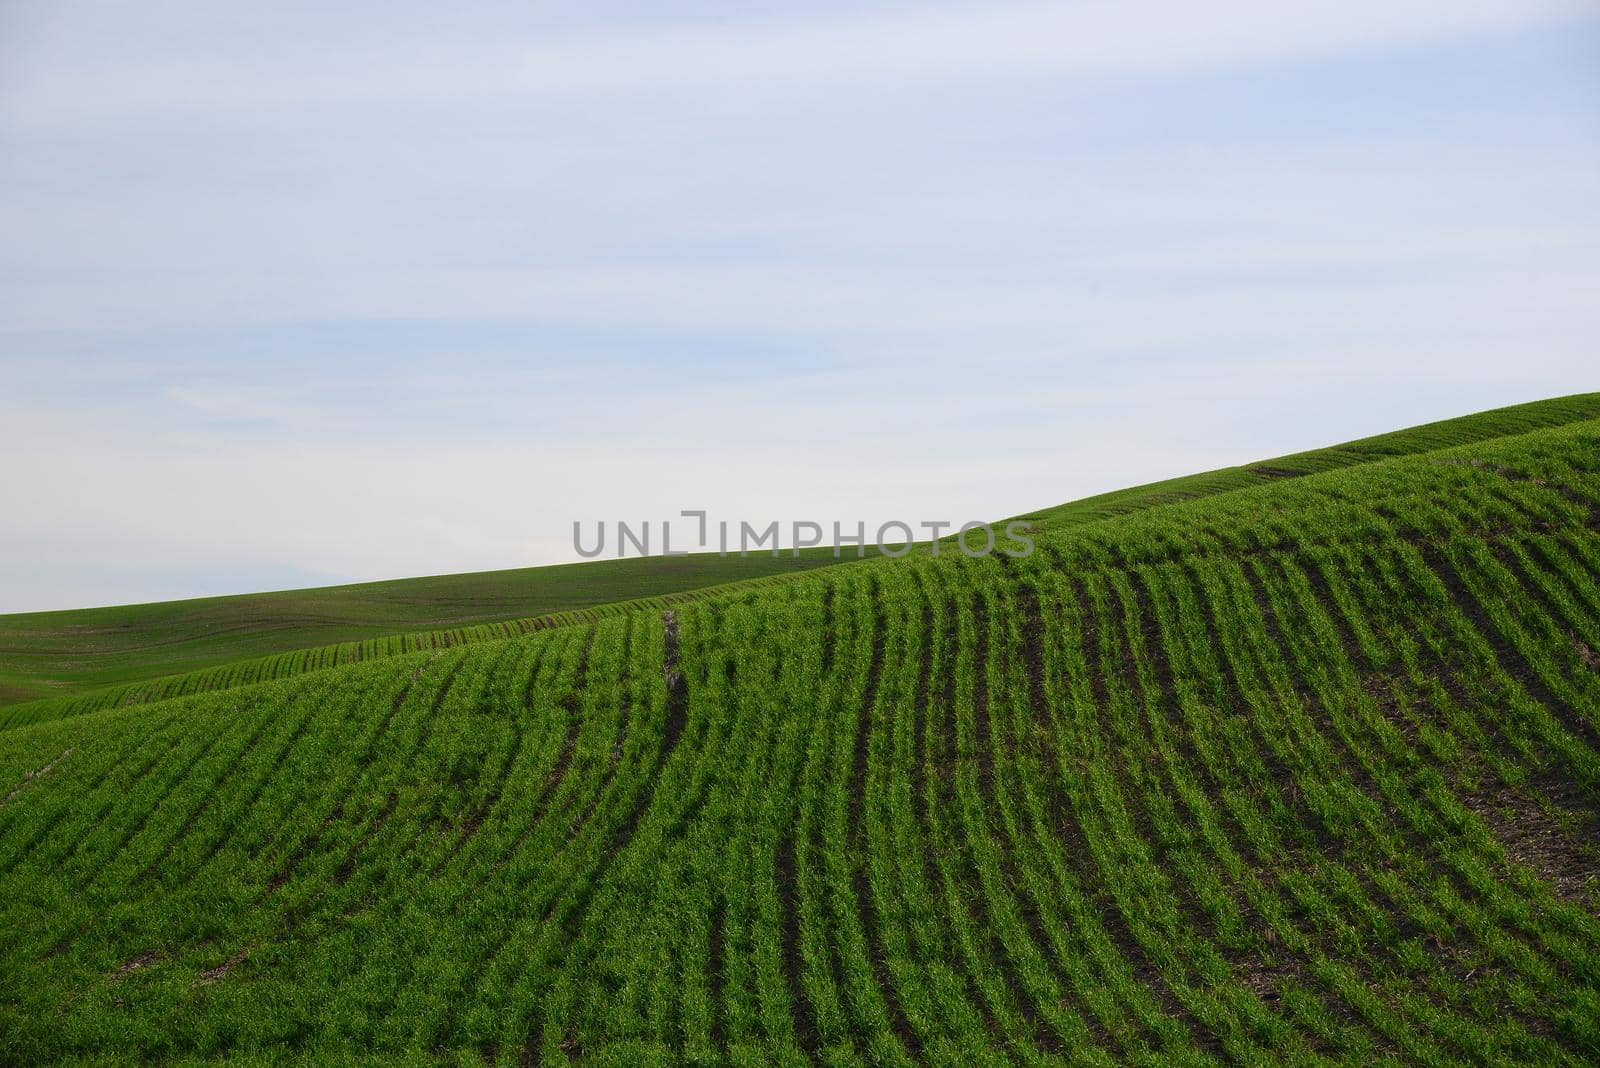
{"x": 49, "y": 654}
{"x": 1302, "y": 771}
{"x": 1465, "y": 430}
{"x": 319, "y": 658}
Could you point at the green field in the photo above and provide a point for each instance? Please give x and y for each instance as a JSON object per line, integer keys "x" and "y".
{"x": 46, "y": 654}
{"x": 88, "y": 659}
{"x": 1298, "y": 762}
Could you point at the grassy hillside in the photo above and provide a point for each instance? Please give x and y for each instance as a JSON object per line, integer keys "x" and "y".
{"x": 64, "y": 663}
{"x": 320, "y": 658}
{"x": 46, "y": 654}
{"x": 1305, "y": 771}
{"x": 1447, "y": 433}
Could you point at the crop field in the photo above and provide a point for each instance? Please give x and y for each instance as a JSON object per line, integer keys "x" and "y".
{"x": 63, "y": 663}
{"x": 319, "y": 658}
{"x": 1289, "y": 769}
{"x": 53, "y": 654}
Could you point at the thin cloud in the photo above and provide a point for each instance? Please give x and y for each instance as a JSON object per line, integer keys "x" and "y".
{"x": 220, "y": 65}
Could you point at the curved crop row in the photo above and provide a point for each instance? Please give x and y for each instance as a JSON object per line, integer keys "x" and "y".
{"x": 300, "y": 661}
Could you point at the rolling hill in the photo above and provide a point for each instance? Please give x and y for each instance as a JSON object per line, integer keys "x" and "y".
{"x": 1298, "y": 762}
{"x": 54, "y": 664}
{"x": 48, "y": 654}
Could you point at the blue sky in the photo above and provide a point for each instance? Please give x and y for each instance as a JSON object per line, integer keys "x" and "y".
{"x": 292, "y": 295}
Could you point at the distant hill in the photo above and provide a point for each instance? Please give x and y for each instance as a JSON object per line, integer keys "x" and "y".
{"x": 46, "y": 654}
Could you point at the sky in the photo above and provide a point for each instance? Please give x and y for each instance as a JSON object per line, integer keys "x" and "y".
{"x": 295, "y": 294}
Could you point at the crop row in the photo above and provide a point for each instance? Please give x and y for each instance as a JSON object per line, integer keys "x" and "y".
{"x": 299, "y": 661}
